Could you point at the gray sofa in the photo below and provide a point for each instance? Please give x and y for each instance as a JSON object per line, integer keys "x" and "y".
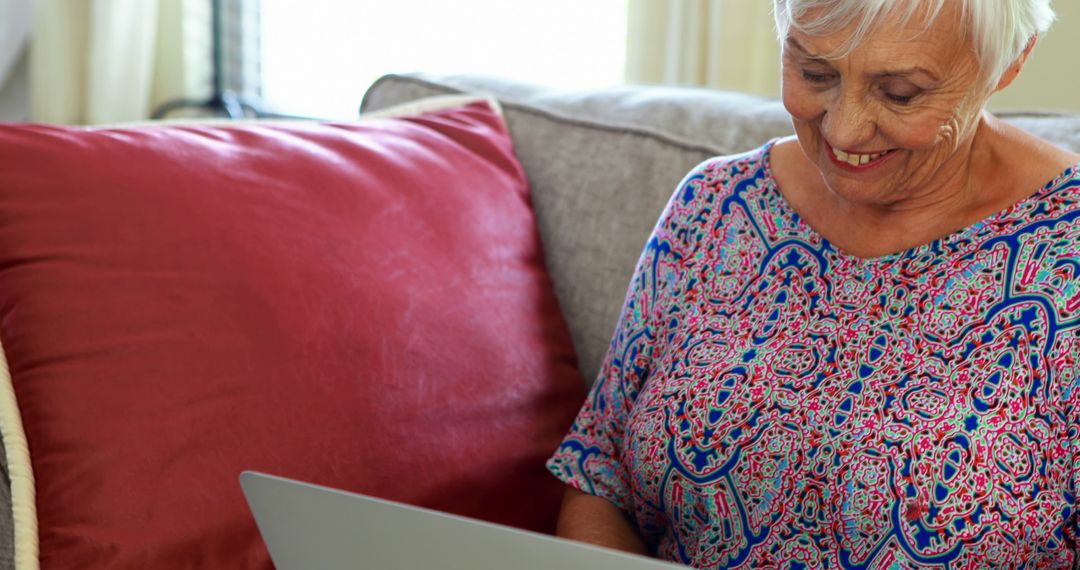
{"x": 601, "y": 165}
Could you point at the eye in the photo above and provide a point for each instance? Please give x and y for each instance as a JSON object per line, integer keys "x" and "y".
{"x": 898, "y": 98}
{"x": 900, "y": 92}
{"x": 817, "y": 77}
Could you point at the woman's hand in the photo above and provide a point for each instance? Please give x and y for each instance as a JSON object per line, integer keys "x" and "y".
{"x": 591, "y": 519}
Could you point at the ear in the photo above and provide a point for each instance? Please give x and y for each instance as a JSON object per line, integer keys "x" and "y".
{"x": 1010, "y": 74}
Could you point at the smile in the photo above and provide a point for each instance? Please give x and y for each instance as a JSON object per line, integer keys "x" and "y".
{"x": 857, "y": 160}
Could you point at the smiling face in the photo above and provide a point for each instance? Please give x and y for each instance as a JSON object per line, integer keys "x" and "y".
{"x": 891, "y": 122}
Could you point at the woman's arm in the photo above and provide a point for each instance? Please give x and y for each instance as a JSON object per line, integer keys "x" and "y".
{"x": 587, "y": 518}
{"x": 663, "y": 274}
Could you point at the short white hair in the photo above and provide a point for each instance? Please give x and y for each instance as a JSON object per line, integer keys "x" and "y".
{"x": 999, "y": 29}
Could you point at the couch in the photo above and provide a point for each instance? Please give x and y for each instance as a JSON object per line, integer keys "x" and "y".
{"x": 599, "y": 167}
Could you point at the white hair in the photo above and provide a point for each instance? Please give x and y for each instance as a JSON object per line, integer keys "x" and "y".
{"x": 999, "y": 29}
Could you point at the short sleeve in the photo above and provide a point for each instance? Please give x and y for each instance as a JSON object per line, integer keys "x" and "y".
{"x": 590, "y": 458}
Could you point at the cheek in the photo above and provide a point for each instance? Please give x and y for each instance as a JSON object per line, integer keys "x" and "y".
{"x": 913, "y": 133}
{"x": 941, "y": 127}
{"x": 801, "y": 102}
{"x": 927, "y": 132}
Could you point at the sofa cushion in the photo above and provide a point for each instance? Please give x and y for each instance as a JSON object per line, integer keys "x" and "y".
{"x": 1062, "y": 129}
{"x": 359, "y": 305}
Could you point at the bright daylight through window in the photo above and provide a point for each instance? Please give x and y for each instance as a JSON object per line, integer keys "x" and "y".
{"x": 319, "y": 56}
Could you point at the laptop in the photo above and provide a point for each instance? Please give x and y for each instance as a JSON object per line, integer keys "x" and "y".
{"x": 307, "y": 527}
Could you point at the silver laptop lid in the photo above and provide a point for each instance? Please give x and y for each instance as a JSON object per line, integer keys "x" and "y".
{"x": 306, "y": 526}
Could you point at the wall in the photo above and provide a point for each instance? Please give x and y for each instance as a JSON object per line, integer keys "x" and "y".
{"x": 1051, "y": 78}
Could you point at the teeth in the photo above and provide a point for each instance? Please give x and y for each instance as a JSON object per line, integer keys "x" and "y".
{"x": 856, "y": 159}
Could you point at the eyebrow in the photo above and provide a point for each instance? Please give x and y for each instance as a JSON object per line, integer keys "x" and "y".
{"x": 795, "y": 45}
{"x": 900, "y": 72}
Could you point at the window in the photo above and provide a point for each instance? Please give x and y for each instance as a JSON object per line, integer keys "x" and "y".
{"x": 319, "y": 56}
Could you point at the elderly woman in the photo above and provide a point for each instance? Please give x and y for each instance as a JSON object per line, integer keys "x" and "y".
{"x": 859, "y": 347}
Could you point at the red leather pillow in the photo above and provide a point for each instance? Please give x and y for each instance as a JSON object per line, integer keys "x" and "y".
{"x": 363, "y": 306}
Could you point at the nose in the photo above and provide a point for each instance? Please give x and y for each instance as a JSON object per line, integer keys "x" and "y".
{"x": 848, "y": 122}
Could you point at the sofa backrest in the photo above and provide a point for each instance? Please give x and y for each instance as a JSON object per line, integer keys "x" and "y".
{"x": 603, "y": 163}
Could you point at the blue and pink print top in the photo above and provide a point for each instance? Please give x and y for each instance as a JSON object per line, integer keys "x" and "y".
{"x": 771, "y": 402}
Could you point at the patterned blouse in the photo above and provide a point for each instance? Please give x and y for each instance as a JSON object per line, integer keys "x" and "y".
{"x": 771, "y": 402}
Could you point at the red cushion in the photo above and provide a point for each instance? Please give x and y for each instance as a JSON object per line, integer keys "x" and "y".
{"x": 363, "y": 306}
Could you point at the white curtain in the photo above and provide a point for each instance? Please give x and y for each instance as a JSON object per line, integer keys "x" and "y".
{"x": 14, "y": 29}
{"x": 14, "y": 32}
{"x": 111, "y": 61}
{"x": 723, "y": 44}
